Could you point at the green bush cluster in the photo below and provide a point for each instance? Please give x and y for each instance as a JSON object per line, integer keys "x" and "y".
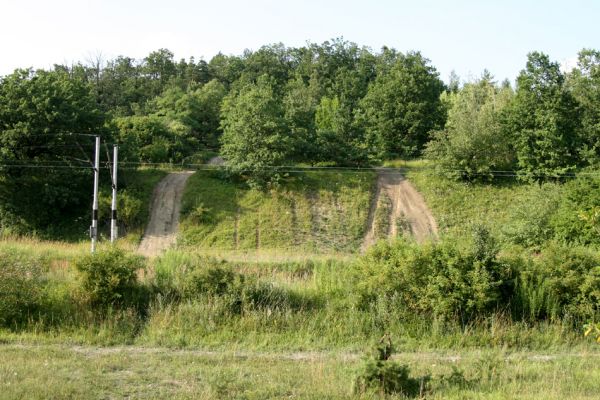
{"x": 568, "y": 213}
{"x": 449, "y": 281}
{"x": 109, "y": 278}
{"x": 189, "y": 278}
{"x": 439, "y": 279}
{"x": 562, "y": 281}
{"x": 576, "y": 219}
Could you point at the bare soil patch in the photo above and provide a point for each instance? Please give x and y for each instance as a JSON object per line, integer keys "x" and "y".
{"x": 409, "y": 213}
{"x": 161, "y": 231}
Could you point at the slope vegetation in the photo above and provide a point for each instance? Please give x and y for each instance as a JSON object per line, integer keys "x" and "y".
{"x": 321, "y": 212}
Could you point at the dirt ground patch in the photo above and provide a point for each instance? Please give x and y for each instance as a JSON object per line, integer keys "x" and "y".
{"x": 408, "y": 214}
{"x": 161, "y": 231}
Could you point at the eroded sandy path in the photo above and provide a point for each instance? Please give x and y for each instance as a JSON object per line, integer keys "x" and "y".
{"x": 161, "y": 231}
{"x": 409, "y": 213}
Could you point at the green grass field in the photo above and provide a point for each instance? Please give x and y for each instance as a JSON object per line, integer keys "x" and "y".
{"x": 74, "y": 372}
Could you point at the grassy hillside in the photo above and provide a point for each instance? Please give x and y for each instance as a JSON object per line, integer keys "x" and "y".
{"x": 514, "y": 212}
{"x": 317, "y": 212}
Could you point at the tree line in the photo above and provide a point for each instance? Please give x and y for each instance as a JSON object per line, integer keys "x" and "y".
{"x": 332, "y": 104}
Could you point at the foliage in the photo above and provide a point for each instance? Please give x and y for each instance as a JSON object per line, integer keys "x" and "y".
{"x": 576, "y": 219}
{"x": 436, "y": 279}
{"x": 584, "y": 83}
{"x": 402, "y": 107}
{"x": 384, "y": 375}
{"x": 38, "y": 113}
{"x": 193, "y": 279}
{"x": 109, "y": 278}
{"x": 150, "y": 139}
{"x": 196, "y": 109}
{"x": 210, "y": 280}
{"x": 563, "y": 281}
{"x": 255, "y": 139}
{"x": 545, "y": 120}
{"x": 475, "y": 143}
{"x": 533, "y": 215}
{"x": 135, "y": 188}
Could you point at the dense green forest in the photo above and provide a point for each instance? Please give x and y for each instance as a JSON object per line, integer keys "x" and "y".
{"x": 329, "y": 104}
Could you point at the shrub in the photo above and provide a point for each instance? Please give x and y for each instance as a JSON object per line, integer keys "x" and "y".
{"x": 21, "y": 287}
{"x": 561, "y": 281}
{"x": 110, "y": 278}
{"x": 381, "y": 374}
{"x": 130, "y": 208}
{"x": 532, "y": 218}
{"x": 576, "y": 219}
{"x": 191, "y": 278}
{"x": 215, "y": 280}
{"x": 183, "y": 276}
{"x": 439, "y": 279}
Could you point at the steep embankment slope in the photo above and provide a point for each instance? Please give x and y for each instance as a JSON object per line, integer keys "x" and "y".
{"x": 312, "y": 212}
{"x": 315, "y": 212}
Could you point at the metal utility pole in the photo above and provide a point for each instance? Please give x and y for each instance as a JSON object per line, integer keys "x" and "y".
{"x": 113, "y": 215}
{"x": 94, "y": 227}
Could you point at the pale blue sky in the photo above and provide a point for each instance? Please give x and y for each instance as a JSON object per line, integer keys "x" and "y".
{"x": 461, "y": 35}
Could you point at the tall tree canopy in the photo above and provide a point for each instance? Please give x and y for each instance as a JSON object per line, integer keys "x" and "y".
{"x": 402, "y": 106}
{"x": 255, "y": 137}
{"x": 475, "y": 142}
{"x": 545, "y": 120}
{"x": 584, "y": 83}
{"x": 41, "y": 180}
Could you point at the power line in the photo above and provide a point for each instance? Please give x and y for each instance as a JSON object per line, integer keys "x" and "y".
{"x": 133, "y": 165}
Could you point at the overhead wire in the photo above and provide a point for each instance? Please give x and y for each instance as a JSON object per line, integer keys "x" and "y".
{"x": 286, "y": 168}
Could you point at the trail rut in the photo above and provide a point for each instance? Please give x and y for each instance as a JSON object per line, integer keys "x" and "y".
{"x": 409, "y": 213}
{"x": 161, "y": 231}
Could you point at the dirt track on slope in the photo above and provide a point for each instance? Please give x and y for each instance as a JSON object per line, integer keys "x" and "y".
{"x": 409, "y": 213}
{"x": 161, "y": 231}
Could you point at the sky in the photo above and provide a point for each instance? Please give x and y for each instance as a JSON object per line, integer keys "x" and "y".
{"x": 456, "y": 35}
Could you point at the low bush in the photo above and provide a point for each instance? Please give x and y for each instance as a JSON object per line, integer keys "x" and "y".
{"x": 447, "y": 281}
{"x": 531, "y": 219}
{"x": 109, "y": 279}
{"x": 213, "y": 280}
{"x": 562, "y": 281}
{"x": 440, "y": 280}
{"x": 190, "y": 278}
{"x": 179, "y": 276}
{"x": 576, "y": 219}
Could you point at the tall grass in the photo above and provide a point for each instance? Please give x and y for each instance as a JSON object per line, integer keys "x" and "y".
{"x": 290, "y": 305}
